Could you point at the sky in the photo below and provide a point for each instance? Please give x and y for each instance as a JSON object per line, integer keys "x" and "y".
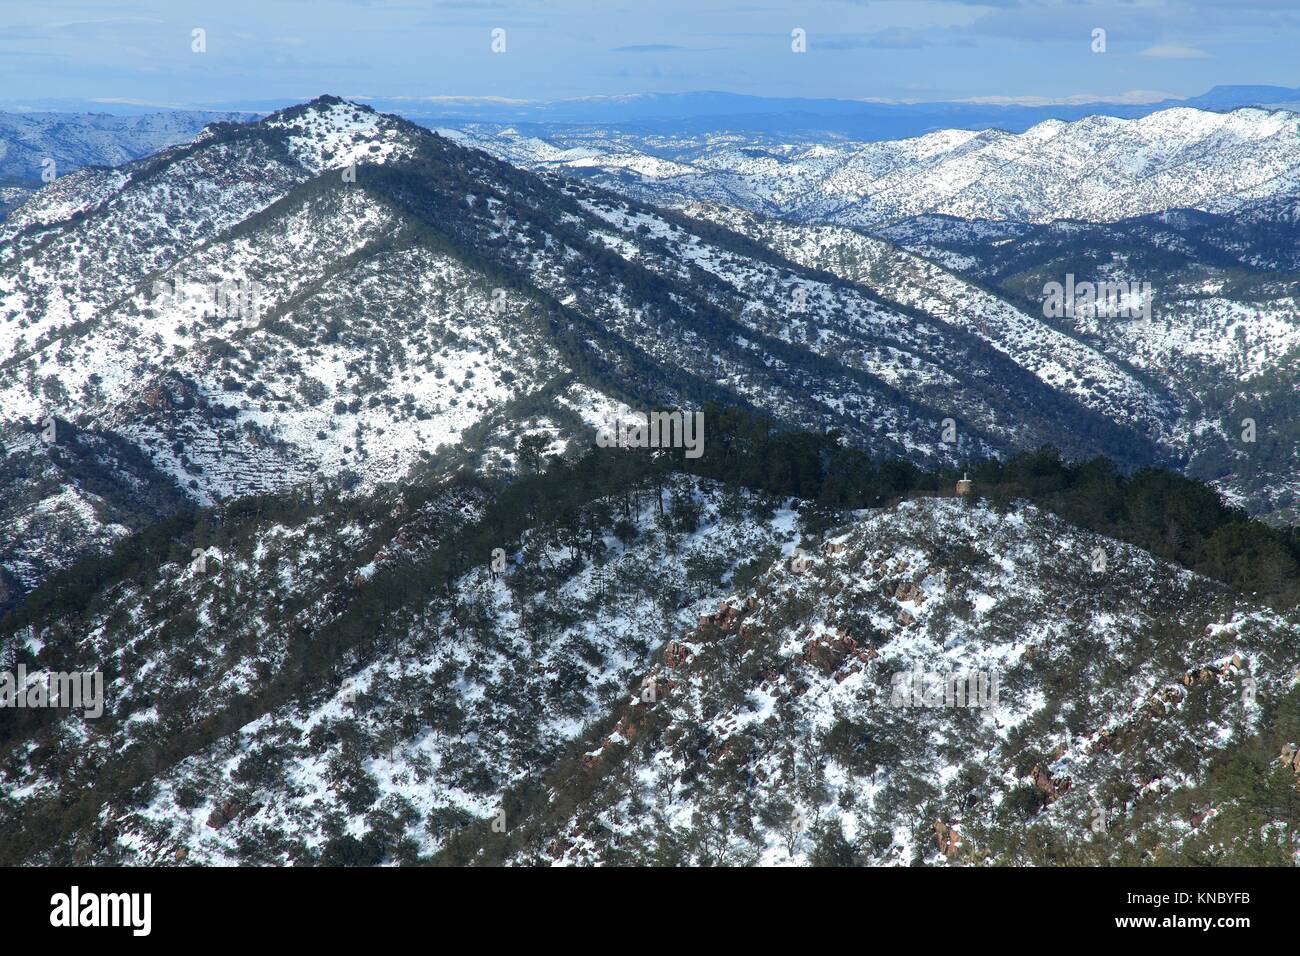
{"x": 291, "y": 50}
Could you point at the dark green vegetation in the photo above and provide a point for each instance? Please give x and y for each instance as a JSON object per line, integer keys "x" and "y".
{"x": 1158, "y": 510}
{"x": 578, "y": 500}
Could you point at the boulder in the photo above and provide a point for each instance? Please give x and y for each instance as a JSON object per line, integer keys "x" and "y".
{"x": 946, "y": 838}
{"x": 223, "y": 814}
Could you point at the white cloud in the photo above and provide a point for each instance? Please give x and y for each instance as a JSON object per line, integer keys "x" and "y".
{"x": 1166, "y": 52}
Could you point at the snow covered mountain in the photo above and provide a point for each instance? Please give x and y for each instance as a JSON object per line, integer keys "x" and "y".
{"x": 935, "y": 684}
{"x": 1200, "y": 205}
{"x": 666, "y": 671}
{"x": 1210, "y": 371}
{"x": 1098, "y": 169}
{"x": 334, "y": 294}
{"x": 297, "y": 451}
{"x": 38, "y": 147}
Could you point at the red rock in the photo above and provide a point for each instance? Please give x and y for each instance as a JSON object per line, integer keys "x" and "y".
{"x": 946, "y": 838}
{"x": 676, "y": 654}
{"x": 1052, "y": 789}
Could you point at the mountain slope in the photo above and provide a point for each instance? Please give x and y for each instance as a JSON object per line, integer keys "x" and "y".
{"x": 336, "y": 294}
{"x": 75, "y": 140}
{"x": 1059, "y": 361}
{"x": 1223, "y": 335}
{"x": 668, "y": 671}
{"x": 805, "y": 719}
{"x": 37, "y": 147}
{"x": 263, "y": 689}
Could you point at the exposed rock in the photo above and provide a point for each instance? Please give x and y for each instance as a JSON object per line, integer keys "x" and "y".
{"x": 828, "y": 652}
{"x": 726, "y": 618}
{"x": 625, "y": 729}
{"x": 223, "y": 814}
{"x": 1290, "y": 757}
{"x": 676, "y": 654}
{"x": 946, "y": 838}
{"x": 907, "y": 591}
{"x": 1052, "y": 789}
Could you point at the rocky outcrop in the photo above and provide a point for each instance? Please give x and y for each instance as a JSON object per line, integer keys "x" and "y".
{"x": 676, "y": 654}
{"x": 223, "y": 814}
{"x": 727, "y": 618}
{"x": 829, "y": 652}
{"x": 909, "y": 592}
{"x": 946, "y": 838}
{"x": 1051, "y": 789}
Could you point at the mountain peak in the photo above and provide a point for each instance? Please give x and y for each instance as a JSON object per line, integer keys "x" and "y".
{"x": 330, "y": 132}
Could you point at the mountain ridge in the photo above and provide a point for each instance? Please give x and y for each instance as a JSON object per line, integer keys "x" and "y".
{"x": 550, "y": 280}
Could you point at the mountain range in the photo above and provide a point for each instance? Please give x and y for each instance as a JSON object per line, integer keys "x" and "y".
{"x": 704, "y": 111}
{"x": 1199, "y": 205}
{"x": 296, "y": 449}
{"x": 444, "y": 291}
{"x": 1097, "y": 169}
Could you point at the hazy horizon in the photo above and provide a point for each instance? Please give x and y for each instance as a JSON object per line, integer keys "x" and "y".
{"x": 147, "y": 53}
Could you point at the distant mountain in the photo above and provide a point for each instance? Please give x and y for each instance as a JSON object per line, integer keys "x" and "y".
{"x": 73, "y": 140}
{"x": 36, "y": 147}
{"x": 1234, "y": 97}
{"x": 701, "y": 113}
{"x": 1098, "y": 169}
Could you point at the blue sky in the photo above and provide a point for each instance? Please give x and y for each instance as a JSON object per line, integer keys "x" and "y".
{"x": 290, "y": 50}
